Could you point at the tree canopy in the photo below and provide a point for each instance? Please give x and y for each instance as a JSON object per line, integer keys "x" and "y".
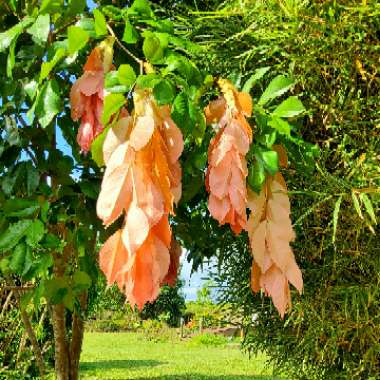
{"x": 151, "y": 112}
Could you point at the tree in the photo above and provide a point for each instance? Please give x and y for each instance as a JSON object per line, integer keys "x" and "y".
{"x": 328, "y": 48}
{"x": 170, "y": 304}
{"x": 51, "y": 173}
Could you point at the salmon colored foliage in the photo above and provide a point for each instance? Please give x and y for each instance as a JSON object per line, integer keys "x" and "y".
{"x": 227, "y": 169}
{"x": 270, "y": 232}
{"x": 86, "y": 97}
{"x": 142, "y": 180}
{"x": 269, "y": 226}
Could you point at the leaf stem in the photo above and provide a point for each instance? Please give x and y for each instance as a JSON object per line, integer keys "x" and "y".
{"x": 138, "y": 60}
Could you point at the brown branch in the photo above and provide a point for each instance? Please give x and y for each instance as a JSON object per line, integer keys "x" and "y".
{"x": 32, "y": 337}
{"x": 63, "y": 27}
{"x": 6, "y": 304}
{"x": 138, "y": 60}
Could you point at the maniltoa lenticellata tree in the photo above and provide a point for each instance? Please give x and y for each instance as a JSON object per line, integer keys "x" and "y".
{"x": 111, "y": 94}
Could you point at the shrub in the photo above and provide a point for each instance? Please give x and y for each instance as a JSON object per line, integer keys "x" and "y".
{"x": 208, "y": 339}
{"x": 158, "y": 331}
{"x": 169, "y": 305}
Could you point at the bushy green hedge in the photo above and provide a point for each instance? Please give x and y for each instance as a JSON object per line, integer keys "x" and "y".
{"x": 332, "y": 49}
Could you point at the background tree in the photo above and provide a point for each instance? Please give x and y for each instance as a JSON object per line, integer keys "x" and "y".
{"x": 330, "y": 48}
{"x": 170, "y": 305}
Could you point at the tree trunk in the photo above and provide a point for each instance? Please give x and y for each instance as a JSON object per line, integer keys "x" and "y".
{"x": 61, "y": 350}
{"x": 77, "y": 339}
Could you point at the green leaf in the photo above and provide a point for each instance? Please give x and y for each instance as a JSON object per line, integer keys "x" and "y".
{"x": 32, "y": 178}
{"x": 280, "y": 125}
{"x": 28, "y": 261}
{"x": 51, "y": 6}
{"x": 290, "y": 107}
{"x": 270, "y": 161}
{"x": 112, "y": 104}
{"x": 130, "y": 35}
{"x": 256, "y": 76}
{"x": 147, "y": 81}
{"x": 48, "y": 103}
{"x": 256, "y": 176}
{"x": 164, "y": 92}
{"x": 4, "y": 266}
{"x": 68, "y": 299}
{"x": 75, "y": 7}
{"x": 335, "y": 217}
{"x": 46, "y": 67}
{"x": 97, "y": 147}
{"x": 21, "y": 208}
{"x": 12, "y": 135}
{"x": 16, "y": 264}
{"x": 191, "y": 187}
{"x": 176, "y": 62}
{"x": 112, "y": 83}
{"x": 51, "y": 242}
{"x": 78, "y": 38}
{"x": 11, "y": 58}
{"x": 40, "y": 29}
{"x": 119, "y": 89}
{"x": 8, "y": 183}
{"x": 278, "y": 86}
{"x": 55, "y": 289}
{"x": 141, "y": 8}
{"x": 185, "y": 44}
{"x": 196, "y": 121}
{"x": 100, "y": 23}
{"x": 31, "y": 89}
{"x": 88, "y": 25}
{"x": 45, "y": 206}
{"x": 111, "y": 80}
{"x": 152, "y": 48}
{"x": 82, "y": 281}
{"x": 43, "y": 263}
{"x": 13, "y": 5}
{"x": 164, "y": 26}
{"x": 355, "y": 201}
{"x": 7, "y": 37}
{"x": 368, "y": 206}
{"x": 14, "y": 234}
{"x": 181, "y": 113}
{"x": 126, "y": 75}
{"x": 89, "y": 189}
{"x": 35, "y": 233}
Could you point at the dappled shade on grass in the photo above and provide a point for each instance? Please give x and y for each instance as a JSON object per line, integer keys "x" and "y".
{"x": 117, "y": 363}
{"x": 127, "y": 356}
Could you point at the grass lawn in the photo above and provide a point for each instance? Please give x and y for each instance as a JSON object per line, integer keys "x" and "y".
{"x": 119, "y": 356}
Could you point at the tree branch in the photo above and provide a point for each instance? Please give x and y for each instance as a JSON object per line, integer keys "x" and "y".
{"x": 138, "y": 60}
{"x": 32, "y": 337}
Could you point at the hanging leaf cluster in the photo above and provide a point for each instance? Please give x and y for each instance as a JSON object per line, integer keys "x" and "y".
{"x": 143, "y": 181}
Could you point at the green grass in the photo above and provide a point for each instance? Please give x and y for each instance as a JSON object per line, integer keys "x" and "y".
{"x": 119, "y": 356}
